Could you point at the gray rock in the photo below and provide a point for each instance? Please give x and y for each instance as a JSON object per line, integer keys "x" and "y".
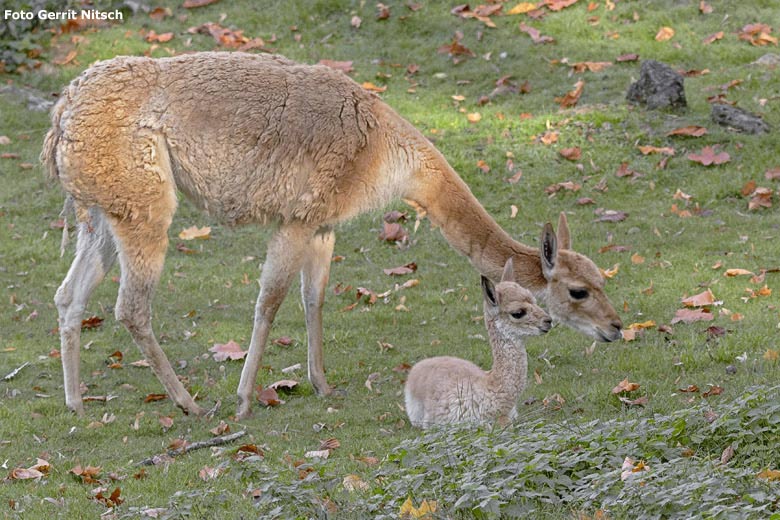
{"x": 659, "y": 86}
{"x": 738, "y": 119}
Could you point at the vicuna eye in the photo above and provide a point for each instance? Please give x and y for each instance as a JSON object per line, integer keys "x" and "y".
{"x": 518, "y": 315}
{"x": 578, "y": 294}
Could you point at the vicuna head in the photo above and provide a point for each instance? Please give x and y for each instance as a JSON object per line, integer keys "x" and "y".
{"x": 575, "y": 287}
{"x": 511, "y": 308}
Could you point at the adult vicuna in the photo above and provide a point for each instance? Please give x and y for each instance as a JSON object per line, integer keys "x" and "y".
{"x": 259, "y": 138}
{"x": 450, "y": 390}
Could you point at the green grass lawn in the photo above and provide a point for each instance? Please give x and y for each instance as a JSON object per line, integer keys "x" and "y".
{"x": 563, "y": 458}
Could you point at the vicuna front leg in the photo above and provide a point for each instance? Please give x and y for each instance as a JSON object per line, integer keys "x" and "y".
{"x": 314, "y": 279}
{"x": 142, "y": 246}
{"x": 95, "y": 254}
{"x": 283, "y": 260}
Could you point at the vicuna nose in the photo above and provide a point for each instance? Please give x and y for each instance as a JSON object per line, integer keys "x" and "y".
{"x": 547, "y": 324}
{"x": 617, "y": 324}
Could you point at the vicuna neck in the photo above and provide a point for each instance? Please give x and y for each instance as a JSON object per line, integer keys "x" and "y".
{"x": 510, "y": 361}
{"x": 438, "y": 191}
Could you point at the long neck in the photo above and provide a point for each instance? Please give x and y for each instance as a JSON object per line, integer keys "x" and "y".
{"x": 437, "y": 190}
{"x": 510, "y": 363}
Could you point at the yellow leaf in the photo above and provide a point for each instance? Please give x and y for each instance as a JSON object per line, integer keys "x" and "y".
{"x": 522, "y": 8}
{"x": 610, "y": 273}
{"x": 700, "y": 300}
{"x": 664, "y": 33}
{"x": 625, "y": 386}
{"x": 771, "y": 355}
{"x": 474, "y": 117}
{"x": 737, "y": 272}
{"x": 373, "y": 88}
{"x": 649, "y": 324}
{"x": 407, "y": 509}
{"x": 354, "y": 483}
{"x": 194, "y": 232}
{"x": 636, "y": 258}
{"x": 770, "y": 474}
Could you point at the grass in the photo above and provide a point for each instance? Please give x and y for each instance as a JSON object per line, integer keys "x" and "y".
{"x": 204, "y": 299}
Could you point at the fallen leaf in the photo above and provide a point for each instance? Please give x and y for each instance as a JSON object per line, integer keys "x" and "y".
{"x": 689, "y": 389}
{"x": 382, "y": 12}
{"x": 230, "y": 350}
{"x": 191, "y": 4}
{"x": 771, "y": 354}
{"x": 373, "y": 88}
{"x": 625, "y": 386}
{"x": 627, "y": 57}
{"x": 284, "y": 384}
{"x": 691, "y": 315}
{"x": 221, "y": 429}
{"x": 610, "y": 215}
{"x": 639, "y": 401}
{"x": 152, "y": 36}
{"x": 283, "y": 341}
{"x": 738, "y": 272}
{"x": 355, "y": 22}
{"x": 590, "y": 66}
{"x": 664, "y": 34}
{"x": 572, "y": 154}
{"x": 714, "y": 390}
{"x": 727, "y": 455}
{"x": 571, "y": 98}
{"x": 700, "y": 300}
{"x": 401, "y": 270}
{"x": 393, "y": 232}
{"x": 769, "y": 474}
{"x": 354, "y": 483}
{"x": 713, "y": 38}
{"x": 474, "y": 117}
{"x": 268, "y": 397}
{"x": 207, "y": 473}
{"x": 92, "y": 322}
{"x": 150, "y": 398}
{"x": 647, "y": 150}
{"x": 708, "y": 156}
{"x": 194, "y": 232}
{"x": 535, "y": 35}
{"x": 522, "y": 8}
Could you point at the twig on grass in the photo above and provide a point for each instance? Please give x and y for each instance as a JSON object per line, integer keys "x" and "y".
{"x": 15, "y": 371}
{"x": 216, "y": 441}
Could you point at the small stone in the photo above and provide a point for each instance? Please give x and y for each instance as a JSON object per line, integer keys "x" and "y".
{"x": 658, "y": 86}
{"x": 731, "y": 370}
{"x": 739, "y": 119}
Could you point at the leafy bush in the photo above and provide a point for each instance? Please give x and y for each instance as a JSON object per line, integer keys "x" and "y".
{"x": 540, "y": 469}
{"x": 537, "y": 467}
{"x": 21, "y": 40}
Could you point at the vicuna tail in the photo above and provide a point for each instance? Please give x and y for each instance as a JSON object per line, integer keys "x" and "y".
{"x": 52, "y": 139}
{"x": 49, "y": 159}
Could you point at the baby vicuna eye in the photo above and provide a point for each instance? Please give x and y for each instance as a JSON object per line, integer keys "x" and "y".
{"x": 578, "y": 294}
{"x": 519, "y": 314}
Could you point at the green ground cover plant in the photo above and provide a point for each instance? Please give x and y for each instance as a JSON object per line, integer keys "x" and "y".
{"x": 701, "y": 427}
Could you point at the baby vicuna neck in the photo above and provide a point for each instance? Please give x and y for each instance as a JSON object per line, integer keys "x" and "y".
{"x": 511, "y": 314}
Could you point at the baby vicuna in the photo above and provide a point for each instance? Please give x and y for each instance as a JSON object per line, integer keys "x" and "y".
{"x": 446, "y": 389}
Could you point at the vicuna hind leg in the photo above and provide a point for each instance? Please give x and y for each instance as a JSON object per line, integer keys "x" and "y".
{"x": 142, "y": 245}
{"x": 283, "y": 260}
{"x": 314, "y": 279}
{"x": 95, "y": 254}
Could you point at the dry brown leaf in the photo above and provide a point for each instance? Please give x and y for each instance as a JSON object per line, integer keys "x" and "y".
{"x": 194, "y": 232}
{"x": 571, "y": 98}
{"x": 227, "y": 351}
{"x": 700, "y": 300}
{"x": 625, "y": 386}
{"x": 664, "y": 34}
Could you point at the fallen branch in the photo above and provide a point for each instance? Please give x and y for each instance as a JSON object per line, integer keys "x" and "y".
{"x": 216, "y": 441}
{"x": 13, "y": 373}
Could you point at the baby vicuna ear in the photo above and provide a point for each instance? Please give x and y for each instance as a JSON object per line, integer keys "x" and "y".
{"x": 489, "y": 292}
{"x": 509, "y": 271}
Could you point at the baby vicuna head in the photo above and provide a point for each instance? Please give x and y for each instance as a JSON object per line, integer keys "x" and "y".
{"x": 511, "y": 310}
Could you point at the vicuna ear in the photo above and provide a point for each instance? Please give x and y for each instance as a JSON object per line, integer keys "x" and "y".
{"x": 564, "y": 237}
{"x": 509, "y": 271}
{"x": 489, "y": 292}
{"x": 548, "y": 250}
